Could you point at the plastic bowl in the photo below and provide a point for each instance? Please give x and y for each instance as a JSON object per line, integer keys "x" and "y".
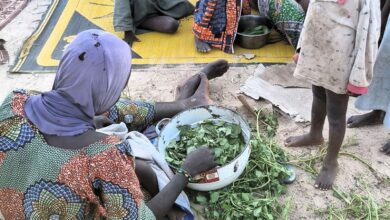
{"x": 252, "y": 41}
{"x": 221, "y": 176}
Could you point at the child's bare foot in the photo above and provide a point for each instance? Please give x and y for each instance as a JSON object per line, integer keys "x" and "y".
{"x": 386, "y": 149}
{"x": 201, "y": 46}
{"x": 304, "y": 140}
{"x": 211, "y": 70}
{"x": 327, "y": 175}
{"x": 372, "y": 118}
{"x": 176, "y": 214}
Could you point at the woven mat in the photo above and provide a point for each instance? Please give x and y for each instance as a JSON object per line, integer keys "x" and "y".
{"x": 9, "y": 9}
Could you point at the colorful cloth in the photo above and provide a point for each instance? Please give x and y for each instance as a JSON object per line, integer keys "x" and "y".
{"x": 378, "y": 96}
{"x": 92, "y": 73}
{"x": 216, "y": 22}
{"x": 39, "y": 181}
{"x": 287, "y": 16}
{"x": 129, "y": 14}
{"x": 339, "y": 43}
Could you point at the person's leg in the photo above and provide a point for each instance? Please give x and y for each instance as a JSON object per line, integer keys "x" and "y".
{"x": 386, "y": 149}
{"x": 336, "y": 108}
{"x": 372, "y": 118}
{"x": 146, "y": 177}
{"x": 163, "y": 24}
{"x": 318, "y": 115}
{"x": 212, "y": 70}
{"x": 194, "y": 92}
{"x": 199, "y": 98}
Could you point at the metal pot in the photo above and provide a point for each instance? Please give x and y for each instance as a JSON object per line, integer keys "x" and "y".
{"x": 252, "y": 41}
{"x": 221, "y": 176}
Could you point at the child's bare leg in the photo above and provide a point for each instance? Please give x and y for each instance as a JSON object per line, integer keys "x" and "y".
{"x": 336, "y": 108}
{"x": 318, "y": 115}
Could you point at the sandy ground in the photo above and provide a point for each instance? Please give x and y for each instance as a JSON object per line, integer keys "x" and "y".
{"x": 158, "y": 83}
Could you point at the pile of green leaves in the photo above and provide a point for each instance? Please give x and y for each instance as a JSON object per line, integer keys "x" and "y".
{"x": 262, "y": 29}
{"x": 357, "y": 206}
{"x": 225, "y": 139}
{"x": 254, "y": 195}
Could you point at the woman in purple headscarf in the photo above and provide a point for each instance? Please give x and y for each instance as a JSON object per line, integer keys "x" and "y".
{"x": 53, "y": 163}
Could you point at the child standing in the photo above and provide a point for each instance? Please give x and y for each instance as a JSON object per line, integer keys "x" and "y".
{"x": 338, "y": 47}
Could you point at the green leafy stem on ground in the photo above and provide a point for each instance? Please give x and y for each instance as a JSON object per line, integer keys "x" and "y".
{"x": 255, "y": 194}
{"x": 355, "y": 205}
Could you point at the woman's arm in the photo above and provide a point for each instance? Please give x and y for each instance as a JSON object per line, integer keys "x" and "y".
{"x": 197, "y": 162}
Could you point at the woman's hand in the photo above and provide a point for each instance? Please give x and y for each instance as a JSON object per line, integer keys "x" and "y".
{"x": 199, "y": 161}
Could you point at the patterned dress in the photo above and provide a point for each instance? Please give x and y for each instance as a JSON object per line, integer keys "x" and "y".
{"x": 339, "y": 44}
{"x": 287, "y": 15}
{"x": 39, "y": 181}
{"x": 216, "y": 22}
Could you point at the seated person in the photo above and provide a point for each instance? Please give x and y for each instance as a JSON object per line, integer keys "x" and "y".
{"x": 53, "y": 164}
{"x": 215, "y": 26}
{"x": 155, "y": 15}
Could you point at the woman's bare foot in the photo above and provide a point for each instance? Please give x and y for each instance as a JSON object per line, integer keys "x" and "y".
{"x": 304, "y": 140}
{"x": 176, "y": 214}
{"x": 372, "y": 118}
{"x": 386, "y": 149}
{"x": 202, "y": 46}
{"x": 327, "y": 175}
{"x": 201, "y": 96}
{"x": 215, "y": 69}
{"x": 211, "y": 70}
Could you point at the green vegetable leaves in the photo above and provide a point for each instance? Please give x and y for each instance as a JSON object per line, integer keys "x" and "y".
{"x": 254, "y": 195}
{"x": 262, "y": 29}
{"x": 225, "y": 139}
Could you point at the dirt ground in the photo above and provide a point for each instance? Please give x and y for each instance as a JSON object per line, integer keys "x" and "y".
{"x": 157, "y": 83}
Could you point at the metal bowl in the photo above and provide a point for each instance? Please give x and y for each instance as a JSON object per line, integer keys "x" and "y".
{"x": 221, "y": 176}
{"x": 252, "y": 41}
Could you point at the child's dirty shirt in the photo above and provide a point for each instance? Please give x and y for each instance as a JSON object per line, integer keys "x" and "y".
{"x": 339, "y": 43}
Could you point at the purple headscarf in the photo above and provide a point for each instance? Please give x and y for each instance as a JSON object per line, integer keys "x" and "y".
{"x": 92, "y": 73}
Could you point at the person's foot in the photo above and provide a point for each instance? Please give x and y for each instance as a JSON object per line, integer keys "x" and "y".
{"x": 372, "y": 118}
{"x": 211, "y": 70}
{"x": 304, "y": 140}
{"x": 201, "y": 46}
{"x": 386, "y": 149}
{"x": 327, "y": 175}
{"x": 201, "y": 96}
{"x": 215, "y": 69}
